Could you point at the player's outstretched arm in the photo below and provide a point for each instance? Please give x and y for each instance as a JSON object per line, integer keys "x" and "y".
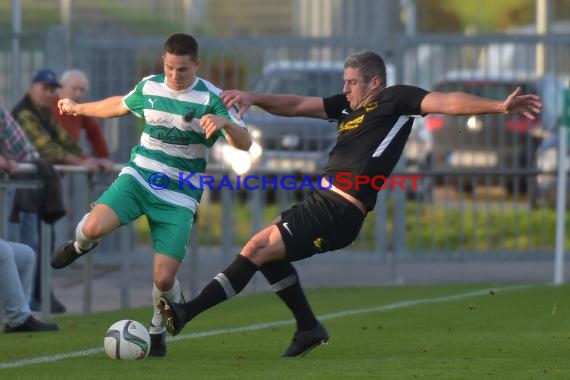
{"x": 460, "y": 103}
{"x": 277, "y": 104}
{"x": 109, "y": 107}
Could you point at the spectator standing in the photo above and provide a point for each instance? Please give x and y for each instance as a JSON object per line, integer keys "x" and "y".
{"x": 34, "y": 115}
{"x": 74, "y": 85}
{"x": 17, "y": 262}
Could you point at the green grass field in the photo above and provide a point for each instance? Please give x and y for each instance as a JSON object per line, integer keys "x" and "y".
{"x": 438, "y": 332}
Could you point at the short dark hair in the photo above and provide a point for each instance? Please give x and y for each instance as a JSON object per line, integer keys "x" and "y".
{"x": 369, "y": 64}
{"x": 181, "y": 44}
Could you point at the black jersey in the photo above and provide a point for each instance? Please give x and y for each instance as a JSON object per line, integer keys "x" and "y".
{"x": 370, "y": 139}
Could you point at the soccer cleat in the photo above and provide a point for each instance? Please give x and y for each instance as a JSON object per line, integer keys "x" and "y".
{"x": 66, "y": 254}
{"x": 31, "y": 325}
{"x": 157, "y": 345}
{"x": 304, "y": 341}
{"x": 175, "y": 314}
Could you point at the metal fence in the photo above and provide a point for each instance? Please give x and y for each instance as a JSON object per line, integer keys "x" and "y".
{"x": 447, "y": 221}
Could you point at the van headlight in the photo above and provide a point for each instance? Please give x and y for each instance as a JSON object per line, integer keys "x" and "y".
{"x": 255, "y": 151}
{"x": 240, "y": 161}
{"x": 254, "y": 133}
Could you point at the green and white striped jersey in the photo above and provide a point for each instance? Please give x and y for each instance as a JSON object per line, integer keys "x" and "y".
{"x": 173, "y": 143}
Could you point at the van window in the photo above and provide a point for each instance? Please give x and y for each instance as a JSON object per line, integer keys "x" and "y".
{"x": 299, "y": 82}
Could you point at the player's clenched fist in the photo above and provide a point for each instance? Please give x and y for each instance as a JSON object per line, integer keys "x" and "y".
{"x": 67, "y": 107}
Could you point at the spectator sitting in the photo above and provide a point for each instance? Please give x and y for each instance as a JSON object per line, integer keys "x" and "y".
{"x": 17, "y": 262}
{"x": 74, "y": 85}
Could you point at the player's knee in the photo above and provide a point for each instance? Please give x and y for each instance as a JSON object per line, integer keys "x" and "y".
{"x": 258, "y": 248}
{"x": 253, "y": 246}
{"x": 92, "y": 230}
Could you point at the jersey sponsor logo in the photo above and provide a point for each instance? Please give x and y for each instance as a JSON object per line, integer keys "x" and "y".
{"x": 286, "y": 226}
{"x": 371, "y": 106}
{"x": 351, "y": 124}
{"x": 169, "y": 135}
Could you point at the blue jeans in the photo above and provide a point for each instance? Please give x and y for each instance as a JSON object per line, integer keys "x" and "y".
{"x": 17, "y": 265}
{"x": 25, "y": 232}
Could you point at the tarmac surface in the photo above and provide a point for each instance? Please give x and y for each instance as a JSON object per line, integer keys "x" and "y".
{"x": 111, "y": 289}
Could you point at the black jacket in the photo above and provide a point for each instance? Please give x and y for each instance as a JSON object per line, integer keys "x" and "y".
{"x": 47, "y": 201}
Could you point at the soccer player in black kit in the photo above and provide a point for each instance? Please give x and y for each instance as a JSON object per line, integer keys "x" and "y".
{"x": 374, "y": 122}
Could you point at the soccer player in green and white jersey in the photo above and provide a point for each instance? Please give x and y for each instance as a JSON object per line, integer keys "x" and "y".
{"x": 183, "y": 118}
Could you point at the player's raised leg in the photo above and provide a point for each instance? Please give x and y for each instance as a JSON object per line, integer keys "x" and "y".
{"x": 94, "y": 225}
{"x": 264, "y": 246}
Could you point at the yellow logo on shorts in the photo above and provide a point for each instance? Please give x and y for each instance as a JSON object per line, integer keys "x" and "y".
{"x": 319, "y": 243}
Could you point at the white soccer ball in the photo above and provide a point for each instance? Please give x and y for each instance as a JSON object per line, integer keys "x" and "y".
{"x": 127, "y": 340}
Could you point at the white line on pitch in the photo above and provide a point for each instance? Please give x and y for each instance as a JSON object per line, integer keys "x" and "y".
{"x": 260, "y": 326}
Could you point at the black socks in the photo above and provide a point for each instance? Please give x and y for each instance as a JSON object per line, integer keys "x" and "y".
{"x": 280, "y": 274}
{"x": 285, "y": 283}
{"x": 224, "y": 285}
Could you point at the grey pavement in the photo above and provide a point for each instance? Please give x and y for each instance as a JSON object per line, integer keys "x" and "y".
{"x": 319, "y": 271}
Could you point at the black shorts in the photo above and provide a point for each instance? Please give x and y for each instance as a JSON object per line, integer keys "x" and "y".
{"x": 325, "y": 221}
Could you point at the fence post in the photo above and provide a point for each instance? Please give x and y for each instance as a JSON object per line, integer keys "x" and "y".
{"x": 3, "y": 229}
{"x": 126, "y": 246}
{"x": 45, "y": 270}
{"x": 227, "y": 225}
{"x": 56, "y": 51}
{"x": 194, "y": 258}
{"x": 380, "y": 235}
{"x": 88, "y": 263}
{"x": 561, "y": 190}
{"x": 16, "y": 36}
{"x": 255, "y": 201}
{"x": 399, "y": 232}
